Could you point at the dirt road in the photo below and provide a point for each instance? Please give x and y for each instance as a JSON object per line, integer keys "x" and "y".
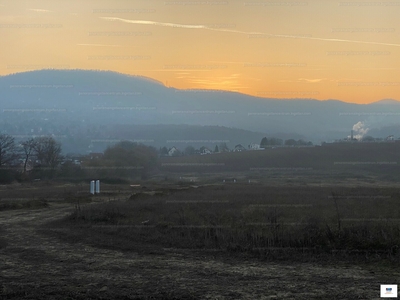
{"x": 35, "y": 265}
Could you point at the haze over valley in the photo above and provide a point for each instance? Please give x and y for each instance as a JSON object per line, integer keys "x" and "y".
{"x": 89, "y": 110}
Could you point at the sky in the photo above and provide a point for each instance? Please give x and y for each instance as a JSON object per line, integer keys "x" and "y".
{"x": 348, "y": 51}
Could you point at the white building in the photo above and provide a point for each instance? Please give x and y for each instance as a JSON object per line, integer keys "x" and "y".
{"x": 205, "y": 150}
{"x": 239, "y": 148}
{"x": 254, "y": 146}
{"x": 172, "y": 151}
{"x": 390, "y": 138}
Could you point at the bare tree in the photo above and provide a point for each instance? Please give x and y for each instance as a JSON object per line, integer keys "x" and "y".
{"x": 48, "y": 152}
{"x": 8, "y": 149}
{"x": 28, "y": 148}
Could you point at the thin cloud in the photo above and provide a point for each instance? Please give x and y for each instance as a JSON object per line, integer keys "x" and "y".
{"x": 99, "y": 45}
{"x": 347, "y": 79}
{"x": 39, "y": 10}
{"x": 174, "y": 25}
{"x": 218, "y": 82}
{"x": 227, "y": 62}
{"x": 305, "y": 80}
{"x": 312, "y": 80}
{"x": 375, "y": 69}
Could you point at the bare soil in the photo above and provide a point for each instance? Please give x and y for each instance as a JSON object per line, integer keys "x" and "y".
{"x": 36, "y": 265}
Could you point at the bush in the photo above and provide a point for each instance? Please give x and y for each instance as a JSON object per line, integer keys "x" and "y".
{"x": 3, "y": 242}
{"x": 30, "y": 204}
{"x": 7, "y": 176}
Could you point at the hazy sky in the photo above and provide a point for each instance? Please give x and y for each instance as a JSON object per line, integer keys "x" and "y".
{"x": 280, "y": 49}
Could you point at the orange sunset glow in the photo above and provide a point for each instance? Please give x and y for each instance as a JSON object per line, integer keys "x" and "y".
{"x": 348, "y": 51}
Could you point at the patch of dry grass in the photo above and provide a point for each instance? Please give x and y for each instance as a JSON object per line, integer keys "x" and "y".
{"x": 24, "y": 204}
{"x": 257, "y": 220}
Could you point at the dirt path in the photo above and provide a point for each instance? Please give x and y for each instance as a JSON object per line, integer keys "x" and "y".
{"x": 34, "y": 265}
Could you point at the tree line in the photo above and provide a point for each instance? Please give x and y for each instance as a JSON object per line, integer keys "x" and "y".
{"x": 125, "y": 159}
{"x": 279, "y": 142}
{"x": 42, "y": 152}
{"x": 265, "y": 143}
{"x": 41, "y": 158}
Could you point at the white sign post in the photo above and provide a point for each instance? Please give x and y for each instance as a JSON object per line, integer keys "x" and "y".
{"x": 97, "y": 186}
{"x": 92, "y": 187}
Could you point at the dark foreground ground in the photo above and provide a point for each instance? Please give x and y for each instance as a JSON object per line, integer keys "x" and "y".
{"x": 36, "y": 265}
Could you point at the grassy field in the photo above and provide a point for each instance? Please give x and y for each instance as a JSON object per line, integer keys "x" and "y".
{"x": 267, "y": 221}
{"x": 337, "y": 198}
{"x": 359, "y": 158}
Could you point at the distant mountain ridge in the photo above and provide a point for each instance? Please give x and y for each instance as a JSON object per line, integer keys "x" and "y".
{"x": 63, "y": 99}
{"x": 387, "y": 101}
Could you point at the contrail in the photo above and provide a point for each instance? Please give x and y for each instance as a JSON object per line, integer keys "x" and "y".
{"x": 98, "y": 45}
{"x": 155, "y": 23}
{"x": 39, "y": 10}
{"x": 143, "y": 22}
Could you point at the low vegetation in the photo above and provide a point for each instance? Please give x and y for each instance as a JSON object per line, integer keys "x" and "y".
{"x": 265, "y": 221}
{"x": 23, "y": 204}
{"x": 3, "y": 242}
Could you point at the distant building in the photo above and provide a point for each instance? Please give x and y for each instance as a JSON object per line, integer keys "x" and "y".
{"x": 254, "y": 146}
{"x": 172, "y": 151}
{"x": 390, "y": 138}
{"x": 239, "y": 148}
{"x": 205, "y": 150}
{"x": 95, "y": 155}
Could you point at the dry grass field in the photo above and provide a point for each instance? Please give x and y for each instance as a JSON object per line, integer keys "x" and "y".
{"x": 251, "y": 218}
{"x": 337, "y": 160}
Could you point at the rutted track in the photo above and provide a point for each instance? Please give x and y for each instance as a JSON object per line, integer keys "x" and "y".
{"x": 34, "y": 265}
